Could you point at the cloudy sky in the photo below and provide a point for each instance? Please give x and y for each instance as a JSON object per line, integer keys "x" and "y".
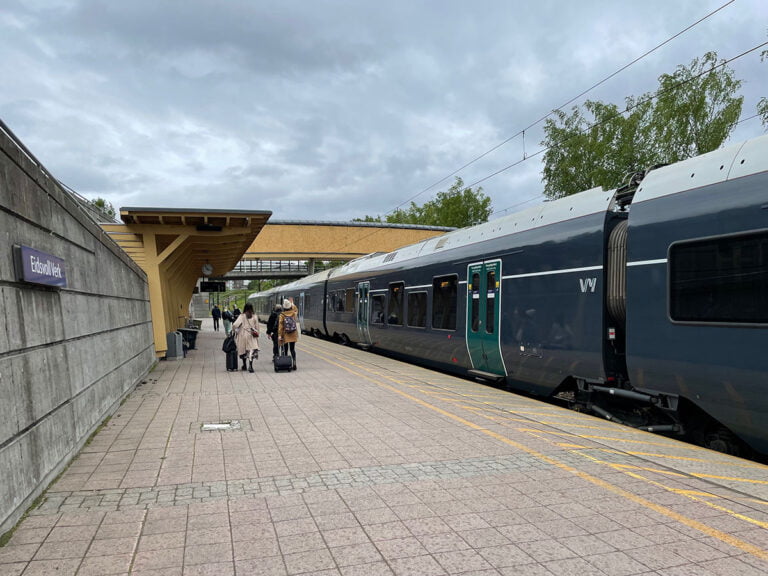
{"x": 332, "y": 109}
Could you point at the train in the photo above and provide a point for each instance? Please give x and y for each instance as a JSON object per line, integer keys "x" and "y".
{"x": 646, "y": 304}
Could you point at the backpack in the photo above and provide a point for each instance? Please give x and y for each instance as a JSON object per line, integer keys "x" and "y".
{"x": 289, "y": 324}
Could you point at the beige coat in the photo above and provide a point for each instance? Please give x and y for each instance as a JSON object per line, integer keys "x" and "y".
{"x": 288, "y": 337}
{"x": 244, "y": 337}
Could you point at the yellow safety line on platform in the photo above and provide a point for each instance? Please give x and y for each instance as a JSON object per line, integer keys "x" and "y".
{"x": 649, "y": 469}
{"x": 558, "y": 423}
{"x": 593, "y": 437}
{"x": 755, "y": 466}
{"x": 694, "y": 495}
{"x": 732, "y": 478}
{"x": 690, "y": 494}
{"x": 690, "y": 522}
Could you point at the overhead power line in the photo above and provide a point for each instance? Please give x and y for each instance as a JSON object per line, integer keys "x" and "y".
{"x": 627, "y": 109}
{"x": 611, "y": 117}
{"x": 616, "y": 115}
{"x": 570, "y": 101}
{"x": 539, "y": 194}
{"x": 542, "y": 150}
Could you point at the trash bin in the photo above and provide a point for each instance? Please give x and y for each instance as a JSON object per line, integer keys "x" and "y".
{"x": 175, "y": 349}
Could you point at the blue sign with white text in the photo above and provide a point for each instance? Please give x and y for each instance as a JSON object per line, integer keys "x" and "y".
{"x": 40, "y": 268}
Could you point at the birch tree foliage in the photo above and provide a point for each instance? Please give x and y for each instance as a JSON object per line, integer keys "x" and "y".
{"x": 693, "y": 111}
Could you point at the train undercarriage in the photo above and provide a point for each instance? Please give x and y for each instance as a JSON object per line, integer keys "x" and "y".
{"x": 653, "y": 412}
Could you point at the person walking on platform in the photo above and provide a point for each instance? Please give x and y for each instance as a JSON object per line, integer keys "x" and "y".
{"x": 226, "y": 316}
{"x": 246, "y": 329}
{"x": 272, "y": 330}
{"x": 288, "y": 329}
{"x": 235, "y": 312}
{"x": 216, "y": 315}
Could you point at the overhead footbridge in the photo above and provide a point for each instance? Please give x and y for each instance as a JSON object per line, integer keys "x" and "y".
{"x": 176, "y": 247}
{"x": 291, "y": 249}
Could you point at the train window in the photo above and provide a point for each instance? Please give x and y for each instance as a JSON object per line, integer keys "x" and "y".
{"x": 475, "y": 302}
{"x": 350, "y": 300}
{"x": 395, "y": 310}
{"x": 444, "y": 302}
{"x": 377, "y": 309}
{"x": 720, "y": 280}
{"x": 417, "y": 309}
{"x": 340, "y": 301}
{"x": 331, "y": 301}
{"x": 490, "y": 302}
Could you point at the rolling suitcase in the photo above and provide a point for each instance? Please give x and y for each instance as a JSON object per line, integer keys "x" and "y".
{"x": 232, "y": 361}
{"x": 283, "y": 363}
{"x": 230, "y": 349}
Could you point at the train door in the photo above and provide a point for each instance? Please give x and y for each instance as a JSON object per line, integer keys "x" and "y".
{"x": 483, "y": 316}
{"x": 301, "y": 308}
{"x": 363, "y": 311}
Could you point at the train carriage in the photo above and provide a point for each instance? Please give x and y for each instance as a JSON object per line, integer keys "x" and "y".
{"x": 697, "y": 290}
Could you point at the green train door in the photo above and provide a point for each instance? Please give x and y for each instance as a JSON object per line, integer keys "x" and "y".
{"x": 363, "y": 311}
{"x": 483, "y": 318}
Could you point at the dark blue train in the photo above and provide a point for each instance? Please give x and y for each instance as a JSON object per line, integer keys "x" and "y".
{"x": 647, "y": 305}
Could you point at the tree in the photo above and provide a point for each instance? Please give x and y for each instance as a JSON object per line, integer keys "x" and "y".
{"x": 105, "y": 206}
{"x": 456, "y": 208}
{"x": 367, "y": 219}
{"x": 692, "y": 112}
{"x": 583, "y": 154}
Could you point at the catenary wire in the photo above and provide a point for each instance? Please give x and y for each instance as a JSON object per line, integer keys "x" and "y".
{"x": 627, "y": 109}
{"x": 539, "y": 195}
{"x": 544, "y": 117}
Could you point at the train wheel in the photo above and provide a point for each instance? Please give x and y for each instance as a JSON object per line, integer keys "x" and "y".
{"x": 344, "y": 339}
{"x": 723, "y": 440}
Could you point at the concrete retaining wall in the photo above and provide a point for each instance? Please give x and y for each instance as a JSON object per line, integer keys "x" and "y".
{"x": 67, "y": 356}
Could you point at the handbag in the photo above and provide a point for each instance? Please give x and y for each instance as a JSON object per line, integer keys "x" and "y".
{"x": 254, "y": 331}
{"x": 229, "y": 344}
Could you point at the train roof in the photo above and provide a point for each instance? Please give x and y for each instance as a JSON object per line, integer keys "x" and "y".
{"x": 735, "y": 161}
{"x": 305, "y": 281}
{"x": 585, "y": 203}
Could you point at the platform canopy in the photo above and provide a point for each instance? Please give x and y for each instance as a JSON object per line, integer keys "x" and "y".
{"x": 175, "y": 247}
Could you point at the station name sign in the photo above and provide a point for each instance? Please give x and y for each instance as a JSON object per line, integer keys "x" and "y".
{"x": 39, "y": 268}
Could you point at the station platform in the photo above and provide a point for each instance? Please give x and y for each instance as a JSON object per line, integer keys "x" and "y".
{"x": 356, "y": 464}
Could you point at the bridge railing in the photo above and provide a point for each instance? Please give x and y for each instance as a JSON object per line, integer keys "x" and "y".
{"x": 256, "y": 267}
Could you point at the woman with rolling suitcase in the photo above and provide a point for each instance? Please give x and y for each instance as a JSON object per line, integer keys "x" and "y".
{"x": 288, "y": 329}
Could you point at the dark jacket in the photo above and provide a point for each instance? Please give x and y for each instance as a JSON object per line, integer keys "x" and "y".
{"x": 272, "y": 323}
{"x": 216, "y": 312}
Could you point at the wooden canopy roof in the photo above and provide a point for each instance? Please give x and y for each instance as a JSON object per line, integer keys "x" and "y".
{"x": 173, "y": 245}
